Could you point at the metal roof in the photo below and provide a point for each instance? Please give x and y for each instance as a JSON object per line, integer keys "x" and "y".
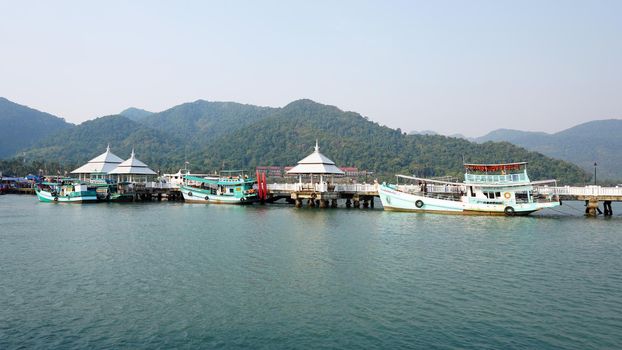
{"x": 132, "y": 166}
{"x": 103, "y": 163}
{"x": 316, "y": 163}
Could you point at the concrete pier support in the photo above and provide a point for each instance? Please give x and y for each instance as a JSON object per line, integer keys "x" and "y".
{"x": 365, "y": 203}
{"x": 333, "y": 203}
{"x": 348, "y": 203}
{"x": 357, "y": 203}
{"x": 591, "y": 208}
{"x": 323, "y": 203}
{"x": 298, "y": 203}
{"x": 371, "y": 202}
{"x": 607, "y": 208}
{"x": 311, "y": 202}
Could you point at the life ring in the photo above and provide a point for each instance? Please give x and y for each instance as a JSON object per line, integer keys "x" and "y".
{"x": 55, "y": 199}
{"x": 189, "y": 194}
{"x": 507, "y": 195}
{"x": 419, "y": 203}
{"x": 509, "y": 211}
{"x": 206, "y": 198}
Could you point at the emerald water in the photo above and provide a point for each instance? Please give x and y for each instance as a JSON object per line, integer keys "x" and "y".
{"x": 174, "y": 275}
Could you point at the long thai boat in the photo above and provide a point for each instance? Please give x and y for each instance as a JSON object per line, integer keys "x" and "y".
{"x": 220, "y": 189}
{"x": 65, "y": 192}
{"x": 488, "y": 189}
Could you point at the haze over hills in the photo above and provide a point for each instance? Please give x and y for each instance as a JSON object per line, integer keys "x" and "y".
{"x": 209, "y": 134}
{"x": 21, "y": 126}
{"x": 597, "y": 141}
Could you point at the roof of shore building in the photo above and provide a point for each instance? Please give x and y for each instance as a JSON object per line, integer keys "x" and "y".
{"x": 316, "y": 163}
{"x": 103, "y": 163}
{"x": 132, "y": 166}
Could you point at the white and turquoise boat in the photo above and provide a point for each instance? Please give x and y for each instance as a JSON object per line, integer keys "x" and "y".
{"x": 219, "y": 189}
{"x": 488, "y": 189}
{"x": 65, "y": 192}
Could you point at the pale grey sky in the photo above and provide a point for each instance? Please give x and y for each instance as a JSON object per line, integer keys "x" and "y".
{"x": 451, "y": 66}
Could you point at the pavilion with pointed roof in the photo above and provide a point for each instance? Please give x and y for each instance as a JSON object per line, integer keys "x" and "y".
{"x": 132, "y": 170}
{"x": 98, "y": 167}
{"x": 315, "y": 164}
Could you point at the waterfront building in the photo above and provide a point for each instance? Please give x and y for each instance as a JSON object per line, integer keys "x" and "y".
{"x": 99, "y": 167}
{"x": 315, "y": 164}
{"x": 133, "y": 170}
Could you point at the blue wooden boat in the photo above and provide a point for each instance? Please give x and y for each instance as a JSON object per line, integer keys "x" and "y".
{"x": 65, "y": 192}
{"x": 220, "y": 189}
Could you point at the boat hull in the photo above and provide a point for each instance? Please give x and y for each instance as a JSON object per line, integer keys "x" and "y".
{"x": 47, "y": 197}
{"x": 197, "y": 195}
{"x": 394, "y": 200}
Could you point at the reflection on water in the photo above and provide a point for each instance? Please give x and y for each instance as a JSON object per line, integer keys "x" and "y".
{"x": 173, "y": 275}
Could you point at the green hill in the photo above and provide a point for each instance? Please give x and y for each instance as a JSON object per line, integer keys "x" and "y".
{"x": 79, "y": 144}
{"x": 135, "y": 114}
{"x": 349, "y": 139}
{"x": 242, "y": 136}
{"x": 596, "y": 141}
{"x": 21, "y": 127}
{"x": 200, "y": 121}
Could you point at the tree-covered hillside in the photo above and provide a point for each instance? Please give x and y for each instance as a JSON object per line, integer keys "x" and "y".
{"x": 283, "y": 136}
{"x": 351, "y": 140}
{"x": 201, "y": 121}
{"x": 21, "y": 127}
{"x": 89, "y": 139}
{"x": 597, "y": 141}
{"x": 135, "y": 114}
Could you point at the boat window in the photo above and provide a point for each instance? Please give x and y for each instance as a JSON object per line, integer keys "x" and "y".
{"x": 498, "y": 194}
{"x": 472, "y": 193}
{"x": 231, "y": 190}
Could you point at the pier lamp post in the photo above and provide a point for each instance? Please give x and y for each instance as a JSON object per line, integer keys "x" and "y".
{"x": 595, "y": 165}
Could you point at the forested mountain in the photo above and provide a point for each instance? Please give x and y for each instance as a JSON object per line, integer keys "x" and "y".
{"x": 135, "y": 114}
{"x": 241, "y": 136}
{"x": 79, "y": 144}
{"x": 21, "y": 127}
{"x": 351, "y": 140}
{"x": 201, "y": 120}
{"x": 597, "y": 141}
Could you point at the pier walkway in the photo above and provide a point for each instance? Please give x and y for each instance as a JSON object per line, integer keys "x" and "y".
{"x": 323, "y": 194}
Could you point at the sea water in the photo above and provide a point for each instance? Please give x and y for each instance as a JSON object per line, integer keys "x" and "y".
{"x": 175, "y": 275}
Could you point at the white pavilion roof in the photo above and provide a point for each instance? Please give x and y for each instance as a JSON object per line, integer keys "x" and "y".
{"x": 132, "y": 166}
{"x": 316, "y": 163}
{"x": 103, "y": 163}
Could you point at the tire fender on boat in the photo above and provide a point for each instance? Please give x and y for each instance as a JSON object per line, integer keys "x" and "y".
{"x": 509, "y": 211}
{"x": 189, "y": 194}
{"x": 206, "y": 198}
{"x": 419, "y": 203}
{"x": 55, "y": 199}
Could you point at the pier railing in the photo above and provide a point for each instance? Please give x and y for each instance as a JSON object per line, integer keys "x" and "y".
{"x": 582, "y": 191}
{"x": 323, "y": 187}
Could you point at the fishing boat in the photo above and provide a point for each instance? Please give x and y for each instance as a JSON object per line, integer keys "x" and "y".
{"x": 488, "y": 189}
{"x": 65, "y": 192}
{"x": 225, "y": 188}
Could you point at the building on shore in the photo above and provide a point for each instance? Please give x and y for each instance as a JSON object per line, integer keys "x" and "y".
{"x": 99, "y": 167}
{"x": 132, "y": 170}
{"x": 315, "y": 164}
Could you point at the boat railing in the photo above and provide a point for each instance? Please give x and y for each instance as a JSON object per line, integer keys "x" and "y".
{"x": 496, "y": 179}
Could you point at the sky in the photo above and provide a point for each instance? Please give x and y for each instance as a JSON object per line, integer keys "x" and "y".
{"x": 465, "y": 67}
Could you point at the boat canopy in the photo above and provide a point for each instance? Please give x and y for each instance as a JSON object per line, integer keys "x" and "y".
{"x": 483, "y": 184}
{"x": 494, "y": 167}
